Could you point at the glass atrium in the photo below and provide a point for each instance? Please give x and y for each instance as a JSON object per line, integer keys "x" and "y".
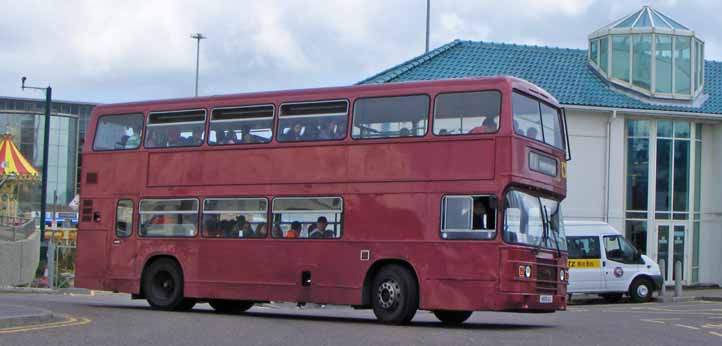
{"x": 651, "y": 54}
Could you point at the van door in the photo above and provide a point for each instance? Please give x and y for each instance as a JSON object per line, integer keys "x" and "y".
{"x": 585, "y": 269}
{"x": 622, "y": 263}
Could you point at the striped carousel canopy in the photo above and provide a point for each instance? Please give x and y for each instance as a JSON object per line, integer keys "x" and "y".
{"x": 12, "y": 163}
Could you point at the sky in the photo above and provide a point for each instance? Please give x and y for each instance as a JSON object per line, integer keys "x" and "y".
{"x": 107, "y": 51}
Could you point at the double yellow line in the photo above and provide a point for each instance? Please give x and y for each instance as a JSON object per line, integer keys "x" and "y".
{"x": 68, "y": 322}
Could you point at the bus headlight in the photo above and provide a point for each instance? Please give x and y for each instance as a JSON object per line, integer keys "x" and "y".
{"x": 562, "y": 275}
{"x": 525, "y": 271}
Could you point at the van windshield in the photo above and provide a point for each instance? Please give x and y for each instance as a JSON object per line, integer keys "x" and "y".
{"x": 534, "y": 221}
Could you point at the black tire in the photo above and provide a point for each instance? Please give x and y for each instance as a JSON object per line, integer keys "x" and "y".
{"x": 641, "y": 290}
{"x": 223, "y": 306}
{"x": 395, "y": 295}
{"x": 612, "y": 297}
{"x": 163, "y": 286}
{"x": 451, "y": 317}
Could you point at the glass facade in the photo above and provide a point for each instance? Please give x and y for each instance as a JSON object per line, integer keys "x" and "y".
{"x": 670, "y": 170}
{"x": 25, "y": 120}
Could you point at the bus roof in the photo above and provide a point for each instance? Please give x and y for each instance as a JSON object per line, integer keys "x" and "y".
{"x": 517, "y": 83}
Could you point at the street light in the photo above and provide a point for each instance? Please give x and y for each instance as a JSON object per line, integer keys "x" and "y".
{"x": 44, "y": 184}
{"x": 198, "y": 37}
{"x": 428, "y": 15}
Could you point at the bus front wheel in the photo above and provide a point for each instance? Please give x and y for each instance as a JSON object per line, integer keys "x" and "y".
{"x": 230, "y": 306}
{"x": 395, "y": 296}
{"x": 452, "y": 317}
{"x": 163, "y": 286}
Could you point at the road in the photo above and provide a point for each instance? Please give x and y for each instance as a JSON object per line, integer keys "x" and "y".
{"x": 113, "y": 319}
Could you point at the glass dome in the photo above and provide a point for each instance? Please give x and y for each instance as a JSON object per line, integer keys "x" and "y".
{"x": 650, "y": 53}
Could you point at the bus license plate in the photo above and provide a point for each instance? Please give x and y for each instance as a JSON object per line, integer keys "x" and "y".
{"x": 546, "y": 299}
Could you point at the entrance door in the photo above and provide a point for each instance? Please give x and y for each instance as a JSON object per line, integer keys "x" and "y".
{"x": 671, "y": 239}
{"x": 121, "y": 268}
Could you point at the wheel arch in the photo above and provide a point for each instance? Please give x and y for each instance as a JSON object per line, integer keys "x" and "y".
{"x": 376, "y": 267}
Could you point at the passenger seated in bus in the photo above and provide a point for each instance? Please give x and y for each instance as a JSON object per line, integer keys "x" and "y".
{"x": 443, "y": 132}
{"x": 483, "y": 217}
{"x": 261, "y": 231}
{"x": 196, "y": 137}
{"x": 322, "y": 223}
{"x": 311, "y": 133}
{"x": 294, "y": 134}
{"x": 326, "y": 131}
{"x": 133, "y": 139}
{"x": 404, "y": 132}
{"x": 295, "y": 230}
{"x": 532, "y": 132}
{"x": 315, "y": 231}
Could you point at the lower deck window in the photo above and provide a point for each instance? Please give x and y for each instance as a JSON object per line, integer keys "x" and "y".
{"x": 315, "y": 218}
{"x": 468, "y": 217}
{"x": 168, "y": 218}
{"x": 235, "y": 218}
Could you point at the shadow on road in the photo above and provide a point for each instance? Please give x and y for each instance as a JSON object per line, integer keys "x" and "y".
{"x": 305, "y": 315}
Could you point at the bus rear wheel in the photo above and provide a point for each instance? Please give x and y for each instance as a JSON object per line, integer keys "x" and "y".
{"x": 224, "y": 306}
{"x": 163, "y": 286}
{"x": 395, "y": 296}
{"x": 452, "y": 317}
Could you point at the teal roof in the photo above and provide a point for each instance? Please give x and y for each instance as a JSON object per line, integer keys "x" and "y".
{"x": 563, "y": 72}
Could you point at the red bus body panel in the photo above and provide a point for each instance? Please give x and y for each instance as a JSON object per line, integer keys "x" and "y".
{"x": 391, "y": 190}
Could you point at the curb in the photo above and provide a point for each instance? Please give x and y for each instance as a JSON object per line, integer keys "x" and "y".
{"x": 33, "y": 316}
{"x": 34, "y": 290}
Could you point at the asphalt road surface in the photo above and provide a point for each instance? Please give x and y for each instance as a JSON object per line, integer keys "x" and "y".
{"x": 113, "y": 319}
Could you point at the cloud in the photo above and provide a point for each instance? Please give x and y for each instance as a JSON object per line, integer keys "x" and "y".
{"x": 113, "y": 51}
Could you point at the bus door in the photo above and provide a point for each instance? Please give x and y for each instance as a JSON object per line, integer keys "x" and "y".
{"x": 122, "y": 243}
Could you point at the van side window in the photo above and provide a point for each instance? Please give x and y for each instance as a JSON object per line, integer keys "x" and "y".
{"x": 584, "y": 247}
{"x": 619, "y": 250}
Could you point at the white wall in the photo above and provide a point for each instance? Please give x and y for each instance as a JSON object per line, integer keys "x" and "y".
{"x": 586, "y": 171}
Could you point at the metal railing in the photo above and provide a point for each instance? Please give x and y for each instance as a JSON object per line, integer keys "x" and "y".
{"x": 14, "y": 229}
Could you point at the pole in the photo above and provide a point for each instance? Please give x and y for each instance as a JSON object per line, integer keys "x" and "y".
{"x": 198, "y": 37}
{"x": 44, "y": 188}
{"x": 678, "y": 279}
{"x": 428, "y": 15}
{"x": 663, "y": 269}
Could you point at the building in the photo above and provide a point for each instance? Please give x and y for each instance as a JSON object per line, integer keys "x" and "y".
{"x": 25, "y": 120}
{"x": 645, "y": 119}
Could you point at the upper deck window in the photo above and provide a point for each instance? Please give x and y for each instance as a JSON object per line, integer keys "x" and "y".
{"x": 313, "y": 121}
{"x": 118, "y": 132}
{"x": 241, "y": 125}
{"x": 535, "y": 119}
{"x": 467, "y": 112}
{"x": 388, "y": 117}
{"x": 175, "y": 129}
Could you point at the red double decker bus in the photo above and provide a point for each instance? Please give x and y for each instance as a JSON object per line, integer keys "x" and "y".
{"x": 441, "y": 195}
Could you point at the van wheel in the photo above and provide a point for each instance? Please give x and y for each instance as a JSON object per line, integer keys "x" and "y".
{"x": 641, "y": 290}
{"x": 230, "y": 306}
{"x": 452, "y": 317}
{"x": 395, "y": 296}
{"x": 612, "y": 297}
{"x": 163, "y": 286}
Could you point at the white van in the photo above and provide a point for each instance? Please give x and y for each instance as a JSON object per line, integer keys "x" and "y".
{"x": 602, "y": 261}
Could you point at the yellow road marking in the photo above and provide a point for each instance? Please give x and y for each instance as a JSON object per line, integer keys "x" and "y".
{"x": 69, "y": 322}
{"x": 686, "y": 326}
{"x": 717, "y": 326}
{"x": 715, "y": 333}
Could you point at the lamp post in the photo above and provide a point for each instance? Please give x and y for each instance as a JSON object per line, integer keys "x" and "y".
{"x": 198, "y": 37}
{"x": 44, "y": 181}
{"x": 428, "y": 15}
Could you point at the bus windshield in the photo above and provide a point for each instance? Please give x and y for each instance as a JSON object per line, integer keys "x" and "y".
{"x": 534, "y": 221}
